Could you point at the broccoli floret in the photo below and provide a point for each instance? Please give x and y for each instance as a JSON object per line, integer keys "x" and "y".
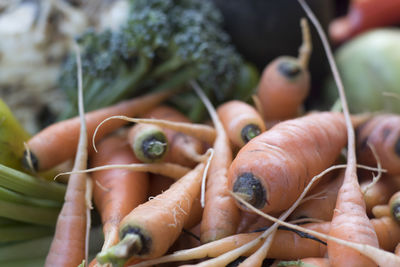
{"x": 162, "y": 44}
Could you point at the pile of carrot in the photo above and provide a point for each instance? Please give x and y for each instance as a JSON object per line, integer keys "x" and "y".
{"x": 267, "y": 182}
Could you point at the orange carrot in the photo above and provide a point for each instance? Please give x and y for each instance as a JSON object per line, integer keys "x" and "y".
{"x": 69, "y": 245}
{"x": 57, "y": 143}
{"x": 221, "y": 215}
{"x": 322, "y": 205}
{"x": 159, "y": 184}
{"x": 285, "y": 83}
{"x": 151, "y": 228}
{"x": 183, "y": 149}
{"x": 148, "y": 142}
{"x": 382, "y": 132}
{"x": 241, "y": 121}
{"x": 350, "y": 221}
{"x": 116, "y": 191}
{"x": 273, "y": 169}
{"x": 379, "y": 211}
{"x": 379, "y": 193}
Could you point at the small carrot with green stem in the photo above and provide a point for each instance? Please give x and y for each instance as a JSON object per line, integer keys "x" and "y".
{"x": 116, "y": 191}
{"x": 69, "y": 245}
{"x": 183, "y": 149}
{"x": 151, "y": 228}
{"x": 148, "y": 142}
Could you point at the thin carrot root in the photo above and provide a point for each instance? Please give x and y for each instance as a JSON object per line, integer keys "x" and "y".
{"x": 200, "y": 131}
{"x": 306, "y": 47}
{"x": 171, "y": 170}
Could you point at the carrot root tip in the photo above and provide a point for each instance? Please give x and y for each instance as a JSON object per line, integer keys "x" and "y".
{"x": 249, "y": 188}
{"x": 249, "y": 132}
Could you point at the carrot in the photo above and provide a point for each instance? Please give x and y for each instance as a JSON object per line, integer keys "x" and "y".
{"x": 273, "y": 169}
{"x": 149, "y": 142}
{"x": 379, "y": 211}
{"x": 116, "y": 191}
{"x": 241, "y": 121}
{"x": 323, "y": 204}
{"x": 69, "y": 245}
{"x": 183, "y": 149}
{"x": 221, "y": 215}
{"x": 379, "y": 193}
{"x": 159, "y": 184}
{"x": 151, "y": 228}
{"x": 379, "y": 256}
{"x": 285, "y": 82}
{"x": 364, "y": 15}
{"x": 350, "y": 221}
{"x": 382, "y": 132}
{"x": 57, "y": 143}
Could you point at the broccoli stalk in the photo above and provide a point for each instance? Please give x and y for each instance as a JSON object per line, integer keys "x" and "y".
{"x": 162, "y": 44}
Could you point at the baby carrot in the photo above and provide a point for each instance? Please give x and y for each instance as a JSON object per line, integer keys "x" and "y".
{"x": 149, "y": 142}
{"x": 183, "y": 149}
{"x": 151, "y": 228}
{"x": 57, "y": 143}
{"x": 241, "y": 121}
{"x": 116, "y": 191}
{"x": 285, "y": 83}
{"x": 68, "y": 247}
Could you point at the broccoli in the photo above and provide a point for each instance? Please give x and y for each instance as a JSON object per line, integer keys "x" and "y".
{"x": 162, "y": 44}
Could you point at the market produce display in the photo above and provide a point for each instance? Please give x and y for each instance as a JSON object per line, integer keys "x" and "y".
{"x": 168, "y": 147}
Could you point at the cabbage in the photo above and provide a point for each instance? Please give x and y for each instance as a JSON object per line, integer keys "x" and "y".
{"x": 370, "y": 67}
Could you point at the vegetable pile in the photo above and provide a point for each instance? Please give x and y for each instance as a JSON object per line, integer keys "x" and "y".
{"x": 170, "y": 154}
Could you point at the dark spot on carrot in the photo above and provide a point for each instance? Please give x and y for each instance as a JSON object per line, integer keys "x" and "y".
{"x": 250, "y": 189}
{"x": 397, "y": 147}
{"x": 289, "y": 69}
{"x": 34, "y": 160}
{"x": 363, "y": 144}
{"x": 145, "y": 240}
{"x": 395, "y": 209}
{"x": 154, "y": 147}
{"x": 249, "y": 132}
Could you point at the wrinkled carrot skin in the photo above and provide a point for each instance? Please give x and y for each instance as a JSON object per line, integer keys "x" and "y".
{"x": 179, "y": 143}
{"x": 364, "y": 15}
{"x": 163, "y": 217}
{"x": 57, "y": 143}
{"x": 235, "y": 115}
{"x": 116, "y": 192}
{"x": 383, "y": 133}
{"x": 350, "y": 222}
{"x": 286, "y": 157}
{"x": 282, "y": 97}
{"x": 313, "y": 208}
